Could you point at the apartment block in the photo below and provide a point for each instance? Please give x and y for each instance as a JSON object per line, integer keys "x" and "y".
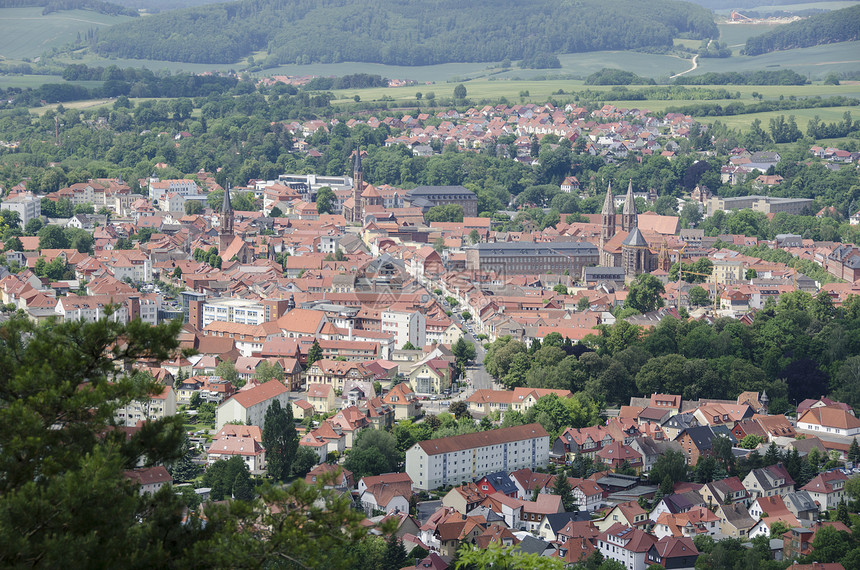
{"x": 453, "y": 460}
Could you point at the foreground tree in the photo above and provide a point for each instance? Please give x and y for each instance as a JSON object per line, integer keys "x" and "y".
{"x": 62, "y": 488}
{"x": 644, "y": 294}
{"x": 280, "y": 440}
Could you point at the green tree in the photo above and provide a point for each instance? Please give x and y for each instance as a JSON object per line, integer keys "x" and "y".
{"x": 267, "y": 371}
{"x": 373, "y": 453}
{"x": 193, "y": 207}
{"x": 444, "y": 213}
{"x": 698, "y": 297}
{"x": 751, "y": 441}
{"x": 13, "y": 244}
{"x": 560, "y": 288}
{"x": 460, "y": 92}
{"x": 280, "y": 440}
{"x": 671, "y": 464}
{"x": 562, "y": 488}
{"x": 498, "y": 556}
{"x": 226, "y": 370}
{"x": 315, "y": 353}
{"x": 583, "y": 304}
{"x": 459, "y": 409}
{"x": 52, "y": 237}
{"x": 474, "y": 236}
{"x": 62, "y": 488}
{"x": 243, "y": 489}
{"x": 325, "y": 200}
{"x": 33, "y": 226}
{"x": 395, "y": 554}
{"x": 304, "y": 461}
{"x": 644, "y": 294}
{"x": 184, "y": 469}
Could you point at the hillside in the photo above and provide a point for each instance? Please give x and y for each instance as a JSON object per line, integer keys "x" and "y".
{"x": 403, "y": 32}
{"x": 831, "y": 27}
{"x": 49, "y": 6}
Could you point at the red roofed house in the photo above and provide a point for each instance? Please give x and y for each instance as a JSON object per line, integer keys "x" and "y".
{"x": 249, "y": 406}
{"x": 150, "y": 479}
{"x": 827, "y": 489}
{"x": 673, "y": 552}
{"x": 629, "y": 546}
{"x": 832, "y": 420}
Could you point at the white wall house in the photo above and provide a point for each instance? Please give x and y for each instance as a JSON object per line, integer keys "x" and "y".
{"x": 249, "y": 406}
{"x": 159, "y": 406}
{"x": 829, "y": 420}
{"x": 27, "y": 206}
{"x": 405, "y": 327}
{"x": 453, "y": 460}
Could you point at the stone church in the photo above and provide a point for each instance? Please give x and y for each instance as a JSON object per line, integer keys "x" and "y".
{"x": 626, "y": 248}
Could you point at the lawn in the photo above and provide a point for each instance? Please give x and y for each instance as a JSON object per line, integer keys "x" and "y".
{"x": 737, "y": 34}
{"x": 25, "y": 33}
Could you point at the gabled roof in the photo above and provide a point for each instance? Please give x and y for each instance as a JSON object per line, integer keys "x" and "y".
{"x": 258, "y": 394}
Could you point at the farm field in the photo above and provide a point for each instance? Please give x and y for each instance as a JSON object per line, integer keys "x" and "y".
{"x": 802, "y": 116}
{"x": 538, "y": 91}
{"x": 814, "y": 62}
{"x": 25, "y": 33}
{"x": 735, "y": 35}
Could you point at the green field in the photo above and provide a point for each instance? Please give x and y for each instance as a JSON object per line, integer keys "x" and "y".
{"x": 802, "y": 116}
{"x": 737, "y": 34}
{"x": 814, "y": 62}
{"x": 25, "y": 33}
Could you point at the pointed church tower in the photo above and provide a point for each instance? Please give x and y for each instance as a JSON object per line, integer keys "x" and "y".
{"x": 628, "y": 215}
{"x": 225, "y": 234}
{"x": 607, "y": 216}
{"x": 663, "y": 261}
{"x": 357, "y": 187}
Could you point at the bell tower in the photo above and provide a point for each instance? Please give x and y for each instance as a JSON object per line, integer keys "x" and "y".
{"x": 225, "y": 234}
{"x": 357, "y": 187}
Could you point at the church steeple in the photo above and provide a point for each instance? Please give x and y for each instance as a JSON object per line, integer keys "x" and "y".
{"x": 628, "y": 215}
{"x": 226, "y": 231}
{"x": 357, "y": 187}
{"x": 607, "y": 216}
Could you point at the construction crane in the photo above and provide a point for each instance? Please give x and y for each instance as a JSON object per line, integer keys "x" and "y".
{"x": 738, "y": 17}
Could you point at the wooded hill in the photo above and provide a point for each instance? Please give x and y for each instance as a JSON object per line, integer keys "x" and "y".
{"x": 831, "y": 27}
{"x": 403, "y": 32}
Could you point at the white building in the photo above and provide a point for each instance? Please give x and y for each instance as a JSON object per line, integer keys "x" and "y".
{"x": 28, "y": 207}
{"x": 159, "y": 189}
{"x": 405, "y": 327}
{"x": 230, "y": 310}
{"x": 831, "y": 420}
{"x": 626, "y": 545}
{"x": 150, "y": 479}
{"x": 453, "y": 460}
{"x": 159, "y": 406}
{"x": 249, "y": 406}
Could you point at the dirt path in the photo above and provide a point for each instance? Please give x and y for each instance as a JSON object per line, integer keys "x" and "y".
{"x": 695, "y": 65}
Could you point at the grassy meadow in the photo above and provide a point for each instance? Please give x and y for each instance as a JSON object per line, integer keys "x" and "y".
{"x": 26, "y": 34}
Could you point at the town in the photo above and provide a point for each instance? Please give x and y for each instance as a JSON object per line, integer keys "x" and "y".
{"x": 647, "y": 383}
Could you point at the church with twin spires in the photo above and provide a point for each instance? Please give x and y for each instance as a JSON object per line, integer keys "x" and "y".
{"x": 626, "y": 248}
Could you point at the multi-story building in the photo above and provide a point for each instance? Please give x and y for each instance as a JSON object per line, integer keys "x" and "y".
{"x": 453, "y": 460}
{"x": 405, "y": 326}
{"x": 425, "y": 197}
{"x": 159, "y": 189}
{"x": 159, "y": 406}
{"x": 242, "y": 311}
{"x": 27, "y": 205}
{"x": 249, "y": 406}
{"x": 764, "y": 204}
{"x": 517, "y": 258}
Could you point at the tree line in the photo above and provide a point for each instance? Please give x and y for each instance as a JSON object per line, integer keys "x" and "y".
{"x": 761, "y": 77}
{"x": 829, "y": 27}
{"x": 798, "y": 347}
{"x": 395, "y": 33}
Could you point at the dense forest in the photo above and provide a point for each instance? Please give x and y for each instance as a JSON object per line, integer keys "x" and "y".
{"x": 761, "y": 77}
{"x": 402, "y": 32}
{"x": 108, "y": 8}
{"x": 830, "y": 27}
